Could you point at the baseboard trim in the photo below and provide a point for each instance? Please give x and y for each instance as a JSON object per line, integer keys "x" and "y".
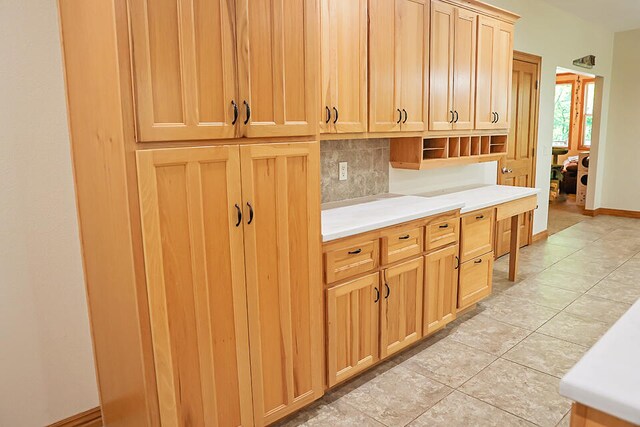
{"x": 612, "y": 212}
{"x": 543, "y": 235}
{"x": 90, "y": 418}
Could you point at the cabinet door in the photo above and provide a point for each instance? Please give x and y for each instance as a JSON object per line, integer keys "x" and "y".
{"x": 327, "y": 66}
{"x": 194, "y": 264}
{"x": 440, "y": 289}
{"x": 441, "y": 66}
{"x": 278, "y": 64}
{"x": 411, "y": 32}
{"x": 352, "y": 327}
{"x": 185, "y": 69}
{"x": 384, "y": 96}
{"x": 401, "y": 312}
{"x": 344, "y": 46}
{"x": 475, "y": 280}
{"x": 477, "y": 234}
{"x": 503, "y": 74}
{"x": 487, "y": 35}
{"x": 464, "y": 69}
{"x": 281, "y": 192}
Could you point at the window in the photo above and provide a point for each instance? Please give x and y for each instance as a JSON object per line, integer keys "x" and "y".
{"x": 562, "y": 115}
{"x": 588, "y": 90}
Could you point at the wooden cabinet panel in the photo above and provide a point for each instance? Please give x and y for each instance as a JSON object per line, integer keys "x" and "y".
{"x": 441, "y": 66}
{"x": 440, "y": 289}
{"x": 476, "y": 236}
{"x": 403, "y": 244}
{"x": 475, "y": 280}
{"x": 464, "y": 69}
{"x": 401, "y": 310}
{"x": 484, "y": 74}
{"x": 503, "y": 75}
{"x": 442, "y": 233}
{"x": 284, "y": 291}
{"x": 344, "y": 58}
{"x": 196, "y": 285}
{"x": 278, "y": 66}
{"x": 354, "y": 258}
{"x": 185, "y": 69}
{"x": 352, "y": 327}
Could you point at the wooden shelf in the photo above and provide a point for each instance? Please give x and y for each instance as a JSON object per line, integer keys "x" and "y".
{"x": 440, "y": 152}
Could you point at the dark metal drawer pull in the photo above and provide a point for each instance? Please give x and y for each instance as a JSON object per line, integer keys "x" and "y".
{"x": 388, "y": 291}
{"x": 478, "y": 261}
{"x": 377, "y": 294}
{"x": 457, "y": 263}
{"x": 356, "y": 252}
{"x": 480, "y": 217}
{"x": 239, "y": 215}
{"x": 404, "y": 237}
{"x": 444, "y": 226}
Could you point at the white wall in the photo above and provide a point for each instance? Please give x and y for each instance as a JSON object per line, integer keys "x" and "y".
{"x": 46, "y": 362}
{"x": 559, "y": 38}
{"x": 622, "y": 165}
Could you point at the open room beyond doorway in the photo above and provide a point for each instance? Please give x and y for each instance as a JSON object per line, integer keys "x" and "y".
{"x": 574, "y": 102}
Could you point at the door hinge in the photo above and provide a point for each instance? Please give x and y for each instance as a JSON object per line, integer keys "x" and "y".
{"x": 536, "y": 84}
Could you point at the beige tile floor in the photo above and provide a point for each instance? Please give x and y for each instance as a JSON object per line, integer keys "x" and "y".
{"x": 501, "y": 364}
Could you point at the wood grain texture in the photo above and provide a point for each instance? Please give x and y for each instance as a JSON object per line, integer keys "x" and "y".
{"x": 464, "y": 69}
{"x": 584, "y": 416}
{"x": 441, "y": 65}
{"x": 440, "y": 289}
{"x": 402, "y": 244}
{"x": 476, "y": 234}
{"x": 88, "y": 418}
{"x": 475, "y": 280}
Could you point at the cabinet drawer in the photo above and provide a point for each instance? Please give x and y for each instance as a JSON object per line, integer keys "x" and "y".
{"x": 475, "y": 280}
{"x": 476, "y": 235}
{"x": 352, "y": 260}
{"x": 443, "y": 233}
{"x": 403, "y": 244}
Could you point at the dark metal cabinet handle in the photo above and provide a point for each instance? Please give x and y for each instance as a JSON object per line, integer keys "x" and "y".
{"x": 452, "y": 116}
{"x": 239, "y": 215}
{"x": 250, "y": 213}
{"x": 457, "y": 117}
{"x": 480, "y": 217}
{"x": 377, "y": 294}
{"x": 457, "y": 263}
{"x": 444, "y": 226}
{"x": 406, "y": 116}
{"x": 497, "y": 117}
{"x": 478, "y": 261}
{"x": 335, "y": 110}
{"x": 248, "y": 109}
{"x": 328, "y": 114}
{"x": 388, "y": 291}
{"x": 493, "y": 117}
{"x": 356, "y": 252}
{"x": 400, "y": 115}
{"x": 404, "y": 237}
{"x": 235, "y": 112}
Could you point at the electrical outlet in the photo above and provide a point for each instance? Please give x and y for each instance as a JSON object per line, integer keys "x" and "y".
{"x": 343, "y": 171}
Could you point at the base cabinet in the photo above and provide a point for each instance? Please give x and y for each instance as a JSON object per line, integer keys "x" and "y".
{"x": 352, "y": 327}
{"x": 233, "y": 277}
{"x": 440, "y": 289}
{"x": 475, "y": 280}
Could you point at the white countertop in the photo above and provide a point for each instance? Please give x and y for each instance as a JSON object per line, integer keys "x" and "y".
{"x": 348, "y": 218}
{"x": 607, "y": 378}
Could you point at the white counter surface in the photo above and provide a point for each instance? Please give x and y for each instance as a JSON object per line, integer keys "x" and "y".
{"x": 607, "y": 378}
{"x": 348, "y": 218}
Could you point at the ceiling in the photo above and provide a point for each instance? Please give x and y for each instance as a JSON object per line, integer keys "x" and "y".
{"x": 616, "y": 15}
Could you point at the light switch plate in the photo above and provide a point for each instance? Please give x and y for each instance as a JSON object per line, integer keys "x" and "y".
{"x": 343, "y": 174}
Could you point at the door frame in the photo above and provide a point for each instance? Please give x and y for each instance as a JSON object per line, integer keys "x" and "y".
{"x": 537, "y": 60}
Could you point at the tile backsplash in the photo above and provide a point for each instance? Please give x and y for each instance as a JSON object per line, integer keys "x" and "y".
{"x": 367, "y": 167}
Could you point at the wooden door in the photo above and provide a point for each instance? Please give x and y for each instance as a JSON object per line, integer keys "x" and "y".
{"x": 441, "y": 66}
{"x": 440, "y": 289}
{"x": 352, "y": 327}
{"x": 464, "y": 69}
{"x": 278, "y": 63}
{"x": 194, "y": 265}
{"x": 411, "y": 32}
{"x": 401, "y": 311}
{"x": 385, "y": 113}
{"x": 487, "y": 36}
{"x": 344, "y": 66}
{"x": 502, "y": 75}
{"x": 281, "y": 193}
{"x": 185, "y": 82}
{"x": 519, "y": 167}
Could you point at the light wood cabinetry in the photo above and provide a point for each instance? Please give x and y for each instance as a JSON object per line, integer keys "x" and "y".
{"x": 440, "y": 289}
{"x": 475, "y": 280}
{"x": 402, "y": 244}
{"x": 355, "y": 257}
{"x": 401, "y": 311}
{"x": 352, "y": 327}
{"x": 477, "y": 234}
{"x": 494, "y": 74}
{"x": 206, "y": 227}
{"x": 442, "y": 233}
{"x": 452, "y": 67}
{"x": 398, "y": 57}
{"x": 343, "y": 42}
{"x": 280, "y": 189}
{"x": 209, "y": 69}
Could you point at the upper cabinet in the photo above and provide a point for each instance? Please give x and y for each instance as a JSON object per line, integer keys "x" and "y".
{"x": 210, "y": 69}
{"x": 398, "y": 59}
{"x": 495, "y": 64}
{"x": 344, "y": 66}
{"x": 452, "y": 67}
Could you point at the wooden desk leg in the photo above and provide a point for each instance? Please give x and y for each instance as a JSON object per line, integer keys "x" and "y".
{"x": 514, "y": 249}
